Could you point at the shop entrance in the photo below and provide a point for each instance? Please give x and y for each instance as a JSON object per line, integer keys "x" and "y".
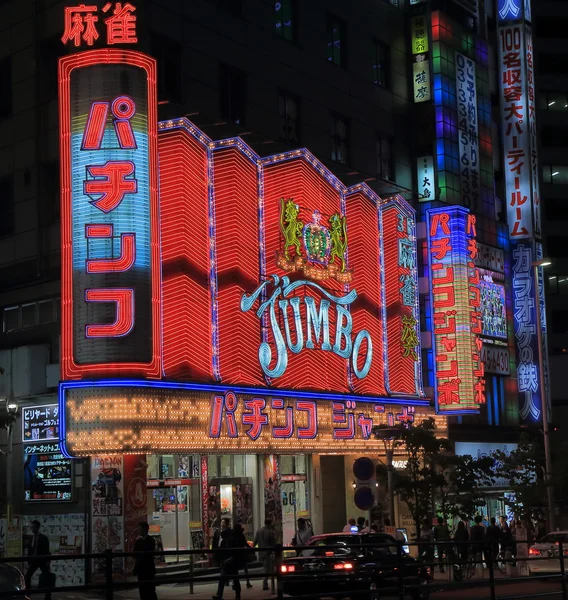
{"x": 174, "y": 508}
{"x": 295, "y": 492}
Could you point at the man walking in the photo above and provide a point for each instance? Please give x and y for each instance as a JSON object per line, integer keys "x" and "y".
{"x": 442, "y": 534}
{"x": 38, "y": 550}
{"x": 265, "y": 538}
{"x": 145, "y": 566}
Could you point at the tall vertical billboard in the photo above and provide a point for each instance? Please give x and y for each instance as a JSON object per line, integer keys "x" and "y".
{"x": 110, "y": 253}
{"x": 522, "y": 195}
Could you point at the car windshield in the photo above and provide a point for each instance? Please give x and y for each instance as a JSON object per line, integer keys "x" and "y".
{"x": 343, "y": 545}
{"x": 381, "y": 545}
{"x": 554, "y": 538}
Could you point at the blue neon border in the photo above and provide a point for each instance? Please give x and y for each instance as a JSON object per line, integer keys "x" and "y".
{"x": 212, "y": 388}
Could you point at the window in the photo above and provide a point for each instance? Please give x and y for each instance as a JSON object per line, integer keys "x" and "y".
{"x": 285, "y": 15}
{"x": 288, "y": 108}
{"x": 336, "y": 41}
{"x": 7, "y": 205}
{"x": 553, "y": 101}
{"x": 338, "y": 138}
{"x": 559, "y": 321}
{"x": 168, "y": 54}
{"x": 232, "y": 87}
{"x": 5, "y": 88}
{"x": 31, "y": 314}
{"x": 557, "y": 246}
{"x": 233, "y": 7}
{"x": 557, "y": 174}
{"x": 381, "y": 64}
{"x": 558, "y": 285}
{"x": 385, "y": 168}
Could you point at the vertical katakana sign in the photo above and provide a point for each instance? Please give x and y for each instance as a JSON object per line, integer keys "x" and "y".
{"x": 455, "y": 304}
{"x": 110, "y": 255}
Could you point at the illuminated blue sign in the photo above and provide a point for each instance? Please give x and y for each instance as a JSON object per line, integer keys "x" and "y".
{"x": 510, "y": 10}
{"x": 316, "y": 329}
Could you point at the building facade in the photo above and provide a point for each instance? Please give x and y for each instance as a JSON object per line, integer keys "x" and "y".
{"x": 175, "y": 256}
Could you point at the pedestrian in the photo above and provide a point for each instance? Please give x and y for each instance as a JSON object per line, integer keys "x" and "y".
{"x": 506, "y": 539}
{"x": 366, "y": 527}
{"x": 442, "y": 534}
{"x": 461, "y": 537}
{"x": 240, "y": 541}
{"x": 477, "y": 538}
{"x": 427, "y": 539}
{"x": 304, "y": 533}
{"x": 351, "y": 524}
{"x": 360, "y": 523}
{"x": 265, "y": 538}
{"x": 144, "y": 564}
{"x": 39, "y": 549}
{"x": 229, "y": 559}
{"x": 492, "y": 536}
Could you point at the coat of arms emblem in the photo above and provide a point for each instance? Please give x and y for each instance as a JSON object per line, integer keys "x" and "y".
{"x": 316, "y": 249}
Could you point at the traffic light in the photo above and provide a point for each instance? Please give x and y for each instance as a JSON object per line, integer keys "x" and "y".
{"x": 364, "y": 471}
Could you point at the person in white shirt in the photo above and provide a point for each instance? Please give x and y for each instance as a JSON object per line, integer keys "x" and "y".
{"x": 351, "y": 523}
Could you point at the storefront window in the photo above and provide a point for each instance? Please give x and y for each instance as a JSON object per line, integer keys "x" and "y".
{"x": 295, "y": 493}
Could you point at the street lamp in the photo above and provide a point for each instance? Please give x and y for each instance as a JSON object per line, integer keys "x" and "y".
{"x": 389, "y": 436}
{"x": 537, "y": 264}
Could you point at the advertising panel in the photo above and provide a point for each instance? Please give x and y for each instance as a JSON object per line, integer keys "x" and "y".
{"x": 40, "y": 423}
{"x": 496, "y": 360}
{"x": 455, "y": 298}
{"x": 468, "y": 134}
{"x": 109, "y": 209}
{"x": 139, "y": 417}
{"x": 493, "y": 310}
{"x": 47, "y": 476}
{"x": 515, "y": 131}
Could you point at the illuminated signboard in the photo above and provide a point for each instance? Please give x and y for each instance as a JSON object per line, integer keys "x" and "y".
{"x": 421, "y": 78}
{"x": 140, "y": 417}
{"x": 491, "y": 258}
{"x": 110, "y": 253}
{"x": 525, "y": 324}
{"x": 515, "y": 128}
{"x": 419, "y": 35}
{"x": 466, "y": 94}
{"x": 425, "y": 176}
{"x": 513, "y": 10}
{"x": 40, "y": 423}
{"x": 455, "y": 300}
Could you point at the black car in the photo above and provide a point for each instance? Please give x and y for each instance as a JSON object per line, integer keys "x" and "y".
{"x": 355, "y": 566}
{"x": 12, "y": 580}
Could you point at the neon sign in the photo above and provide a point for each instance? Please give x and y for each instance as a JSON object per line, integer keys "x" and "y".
{"x": 110, "y": 255}
{"x": 140, "y": 416}
{"x": 317, "y": 325}
{"x": 81, "y": 24}
{"x": 455, "y": 303}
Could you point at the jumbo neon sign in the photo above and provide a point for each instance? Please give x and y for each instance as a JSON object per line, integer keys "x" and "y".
{"x": 316, "y": 322}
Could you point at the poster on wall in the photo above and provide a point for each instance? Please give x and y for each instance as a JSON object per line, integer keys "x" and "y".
{"x": 135, "y": 501}
{"x": 66, "y": 535}
{"x": 47, "y": 476}
{"x": 107, "y": 517}
{"x": 272, "y": 498}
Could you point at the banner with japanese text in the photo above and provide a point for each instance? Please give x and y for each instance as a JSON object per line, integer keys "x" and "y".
{"x": 455, "y": 299}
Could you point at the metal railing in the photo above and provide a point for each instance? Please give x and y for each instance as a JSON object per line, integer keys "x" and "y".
{"x": 464, "y": 564}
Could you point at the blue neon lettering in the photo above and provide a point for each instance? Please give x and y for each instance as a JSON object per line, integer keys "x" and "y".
{"x": 317, "y": 321}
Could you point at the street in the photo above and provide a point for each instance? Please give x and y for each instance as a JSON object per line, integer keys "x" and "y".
{"x": 204, "y": 591}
